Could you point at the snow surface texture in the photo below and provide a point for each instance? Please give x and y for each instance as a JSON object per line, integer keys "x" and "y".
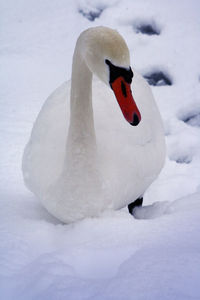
{"x": 155, "y": 255}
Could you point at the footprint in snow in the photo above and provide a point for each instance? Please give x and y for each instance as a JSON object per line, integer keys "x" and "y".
{"x": 192, "y": 119}
{"x": 184, "y": 159}
{"x": 92, "y": 14}
{"x": 148, "y": 28}
{"x": 158, "y": 78}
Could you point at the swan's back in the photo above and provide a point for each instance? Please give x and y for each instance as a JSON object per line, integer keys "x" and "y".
{"x": 44, "y": 154}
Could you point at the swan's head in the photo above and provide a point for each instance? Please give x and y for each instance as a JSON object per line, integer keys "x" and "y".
{"x": 107, "y": 56}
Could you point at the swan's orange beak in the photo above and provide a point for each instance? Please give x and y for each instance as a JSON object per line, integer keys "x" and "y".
{"x": 124, "y": 97}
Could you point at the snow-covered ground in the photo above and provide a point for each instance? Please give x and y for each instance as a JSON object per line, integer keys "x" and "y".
{"x": 114, "y": 256}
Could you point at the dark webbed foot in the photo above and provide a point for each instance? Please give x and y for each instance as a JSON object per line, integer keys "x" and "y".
{"x": 134, "y": 204}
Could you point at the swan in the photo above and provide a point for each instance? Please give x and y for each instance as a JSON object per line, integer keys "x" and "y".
{"x": 86, "y": 156}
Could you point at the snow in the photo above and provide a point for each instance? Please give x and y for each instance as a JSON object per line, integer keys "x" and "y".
{"x": 155, "y": 255}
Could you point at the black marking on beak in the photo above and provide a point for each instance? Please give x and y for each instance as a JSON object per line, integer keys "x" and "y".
{"x": 123, "y": 89}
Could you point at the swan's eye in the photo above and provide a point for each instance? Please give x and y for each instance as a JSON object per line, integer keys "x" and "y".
{"x": 116, "y": 72}
{"x": 123, "y": 89}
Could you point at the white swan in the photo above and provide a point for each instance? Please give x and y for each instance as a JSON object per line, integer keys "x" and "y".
{"x": 79, "y": 167}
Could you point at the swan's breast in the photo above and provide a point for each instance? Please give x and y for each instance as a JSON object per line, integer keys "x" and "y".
{"x": 130, "y": 157}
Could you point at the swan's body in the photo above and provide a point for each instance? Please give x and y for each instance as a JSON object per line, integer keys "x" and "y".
{"x": 79, "y": 167}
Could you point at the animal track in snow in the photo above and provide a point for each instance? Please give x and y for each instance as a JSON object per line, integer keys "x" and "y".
{"x": 180, "y": 156}
{"x": 92, "y": 14}
{"x": 192, "y": 119}
{"x": 148, "y": 28}
{"x": 183, "y": 159}
{"x": 158, "y": 78}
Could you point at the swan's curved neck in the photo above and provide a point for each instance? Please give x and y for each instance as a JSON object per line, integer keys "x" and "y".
{"x": 81, "y": 134}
